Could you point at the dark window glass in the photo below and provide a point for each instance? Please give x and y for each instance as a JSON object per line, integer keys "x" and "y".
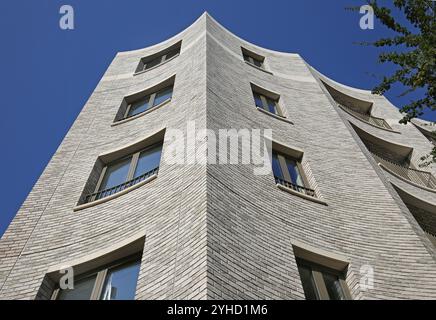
{"x": 120, "y": 282}
{"x": 277, "y": 171}
{"x": 252, "y": 60}
{"x": 82, "y": 290}
{"x": 258, "y": 100}
{"x": 139, "y": 106}
{"x": 294, "y": 172}
{"x": 148, "y": 160}
{"x": 257, "y": 63}
{"x": 153, "y": 63}
{"x": 116, "y": 174}
{"x": 333, "y": 286}
{"x": 308, "y": 283}
{"x": 272, "y": 107}
{"x": 172, "y": 53}
{"x": 163, "y": 95}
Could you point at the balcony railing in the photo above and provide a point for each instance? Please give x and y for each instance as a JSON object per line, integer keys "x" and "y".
{"x": 378, "y": 122}
{"x": 110, "y": 191}
{"x": 295, "y": 187}
{"x": 419, "y": 177}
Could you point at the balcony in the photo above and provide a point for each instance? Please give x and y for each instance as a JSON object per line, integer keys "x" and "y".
{"x": 427, "y": 128}
{"x": 378, "y": 122}
{"x": 357, "y": 108}
{"x": 415, "y": 176}
{"x": 295, "y": 187}
{"x": 111, "y": 191}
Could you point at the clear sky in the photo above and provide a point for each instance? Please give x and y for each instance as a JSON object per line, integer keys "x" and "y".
{"x": 49, "y": 73}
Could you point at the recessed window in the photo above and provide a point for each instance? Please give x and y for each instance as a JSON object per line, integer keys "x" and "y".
{"x": 322, "y": 283}
{"x": 267, "y": 103}
{"x": 127, "y": 171}
{"x": 145, "y": 103}
{"x": 289, "y": 172}
{"x": 116, "y": 281}
{"x": 253, "y": 58}
{"x": 158, "y": 58}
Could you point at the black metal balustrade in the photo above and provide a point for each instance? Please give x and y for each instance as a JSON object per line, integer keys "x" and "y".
{"x": 295, "y": 187}
{"x": 379, "y": 122}
{"x": 110, "y": 191}
{"x": 422, "y": 178}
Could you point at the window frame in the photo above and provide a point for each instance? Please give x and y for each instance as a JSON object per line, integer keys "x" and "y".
{"x": 142, "y": 66}
{"x": 251, "y": 60}
{"x": 282, "y": 157}
{"x": 132, "y": 167}
{"x": 151, "y": 99}
{"x": 101, "y": 273}
{"x": 251, "y": 57}
{"x": 317, "y": 272}
{"x": 265, "y": 107}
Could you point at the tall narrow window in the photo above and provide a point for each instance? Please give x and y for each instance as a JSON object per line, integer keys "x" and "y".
{"x": 152, "y": 100}
{"x": 322, "y": 283}
{"x": 120, "y": 282}
{"x": 116, "y": 173}
{"x": 158, "y": 58}
{"x": 289, "y": 172}
{"x": 115, "y": 281}
{"x": 267, "y": 103}
{"x": 126, "y": 172}
{"x": 148, "y": 160}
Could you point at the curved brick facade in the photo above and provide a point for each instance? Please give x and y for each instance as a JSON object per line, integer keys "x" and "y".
{"x": 219, "y": 231}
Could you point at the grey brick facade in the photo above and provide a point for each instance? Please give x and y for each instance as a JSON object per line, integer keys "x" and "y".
{"x": 219, "y": 231}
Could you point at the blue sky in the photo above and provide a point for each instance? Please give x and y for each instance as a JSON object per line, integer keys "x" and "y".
{"x": 49, "y": 73}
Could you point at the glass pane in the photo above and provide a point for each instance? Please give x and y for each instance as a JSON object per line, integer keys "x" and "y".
{"x": 172, "y": 53}
{"x": 308, "y": 283}
{"x": 163, "y": 95}
{"x": 277, "y": 171}
{"x": 153, "y": 62}
{"x": 294, "y": 172}
{"x": 116, "y": 174}
{"x": 272, "y": 106}
{"x": 139, "y": 106}
{"x": 257, "y": 100}
{"x": 82, "y": 290}
{"x": 120, "y": 282}
{"x": 257, "y": 63}
{"x": 148, "y": 160}
{"x": 333, "y": 286}
{"x": 246, "y": 58}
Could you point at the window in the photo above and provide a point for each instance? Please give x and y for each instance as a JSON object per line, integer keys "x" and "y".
{"x": 266, "y": 103}
{"x": 147, "y": 100}
{"x": 158, "y": 58}
{"x": 322, "y": 283}
{"x": 152, "y": 100}
{"x": 254, "y": 61}
{"x": 82, "y": 289}
{"x": 253, "y": 58}
{"x": 289, "y": 172}
{"x": 116, "y": 281}
{"x": 126, "y": 172}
